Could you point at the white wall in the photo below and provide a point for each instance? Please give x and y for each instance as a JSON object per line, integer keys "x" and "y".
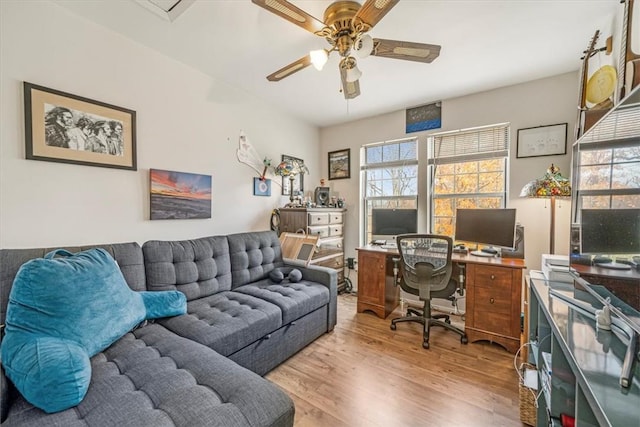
{"x": 541, "y": 102}
{"x": 186, "y": 122}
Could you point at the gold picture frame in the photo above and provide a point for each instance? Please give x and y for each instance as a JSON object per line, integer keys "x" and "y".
{"x": 65, "y": 128}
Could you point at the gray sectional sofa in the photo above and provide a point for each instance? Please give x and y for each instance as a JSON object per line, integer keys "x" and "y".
{"x": 202, "y": 368}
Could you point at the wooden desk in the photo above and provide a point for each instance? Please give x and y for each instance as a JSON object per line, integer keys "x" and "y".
{"x": 493, "y": 292}
{"x": 625, "y": 284}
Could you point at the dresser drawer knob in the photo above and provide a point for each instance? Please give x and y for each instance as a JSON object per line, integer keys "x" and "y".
{"x": 492, "y": 300}
{"x": 493, "y": 277}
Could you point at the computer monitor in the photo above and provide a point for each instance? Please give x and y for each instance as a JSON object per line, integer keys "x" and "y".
{"x": 388, "y": 223}
{"x": 607, "y": 232}
{"x": 492, "y": 227}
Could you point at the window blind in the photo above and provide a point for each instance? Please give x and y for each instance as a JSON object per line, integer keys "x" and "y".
{"x": 470, "y": 144}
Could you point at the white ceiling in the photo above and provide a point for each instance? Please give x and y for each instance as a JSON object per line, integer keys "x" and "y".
{"x": 485, "y": 44}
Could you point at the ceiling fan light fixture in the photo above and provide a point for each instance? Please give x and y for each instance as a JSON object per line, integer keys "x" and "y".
{"x": 319, "y": 58}
{"x": 350, "y": 68}
{"x": 353, "y": 74}
{"x": 363, "y": 46}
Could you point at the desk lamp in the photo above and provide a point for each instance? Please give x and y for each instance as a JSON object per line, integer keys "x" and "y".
{"x": 290, "y": 169}
{"x": 551, "y": 185}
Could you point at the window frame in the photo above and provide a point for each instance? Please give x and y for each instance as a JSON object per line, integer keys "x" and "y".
{"x": 399, "y": 200}
{"x": 580, "y": 193}
{"x": 484, "y": 146}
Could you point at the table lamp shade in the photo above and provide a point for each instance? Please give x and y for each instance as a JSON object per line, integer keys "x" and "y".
{"x": 551, "y": 184}
{"x": 289, "y": 169}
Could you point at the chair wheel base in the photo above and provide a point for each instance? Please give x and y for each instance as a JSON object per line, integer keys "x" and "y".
{"x": 393, "y": 327}
{"x": 425, "y": 345}
{"x": 464, "y": 339}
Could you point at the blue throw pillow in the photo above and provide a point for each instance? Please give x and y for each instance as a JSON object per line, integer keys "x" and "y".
{"x": 62, "y": 311}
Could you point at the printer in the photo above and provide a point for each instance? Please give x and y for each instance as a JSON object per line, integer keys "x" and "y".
{"x": 556, "y": 268}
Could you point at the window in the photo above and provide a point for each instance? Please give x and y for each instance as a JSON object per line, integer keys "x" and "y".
{"x": 606, "y": 162}
{"x": 390, "y": 177}
{"x": 609, "y": 175}
{"x": 468, "y": 169}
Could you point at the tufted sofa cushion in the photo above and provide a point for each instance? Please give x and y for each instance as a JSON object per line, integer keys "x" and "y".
{"x": 152, "y": 377}
{"x": 226, "y": 321}
{"x": 253, "y": 256}
{"x": 197, "y": 268}
{"x": 294, "y": 299}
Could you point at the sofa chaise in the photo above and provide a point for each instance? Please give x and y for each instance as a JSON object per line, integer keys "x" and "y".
{"x": 205, "y": 367}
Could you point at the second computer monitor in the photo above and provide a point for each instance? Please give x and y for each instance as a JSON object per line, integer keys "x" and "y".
{"x": 491, "y": 227}
{"x": 388, "y": 223}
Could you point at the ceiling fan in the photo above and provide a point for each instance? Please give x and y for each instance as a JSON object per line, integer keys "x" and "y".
{"x": 345, "y": 27}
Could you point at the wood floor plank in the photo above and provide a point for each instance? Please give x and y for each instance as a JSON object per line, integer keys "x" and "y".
{"x": 365, "y": 374}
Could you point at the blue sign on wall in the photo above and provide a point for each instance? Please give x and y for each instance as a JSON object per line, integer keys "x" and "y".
{"x": 424, "y": 117}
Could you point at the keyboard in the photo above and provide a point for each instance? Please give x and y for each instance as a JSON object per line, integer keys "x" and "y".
{"x": 389, "y": 246}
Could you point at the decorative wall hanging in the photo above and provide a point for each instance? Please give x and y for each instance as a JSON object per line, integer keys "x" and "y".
{"x": 248, "y": 155}
{"x": 261, "y": 187}
{"x": 340, "y": 164}
{"x": 180, "y": 195}
{"x": 66, "y": 128}
{"x": 424, "y": 117}
{"x": 538, "y": 141}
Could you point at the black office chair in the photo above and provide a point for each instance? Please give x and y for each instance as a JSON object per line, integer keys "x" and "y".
{"x": 425, "y": 269}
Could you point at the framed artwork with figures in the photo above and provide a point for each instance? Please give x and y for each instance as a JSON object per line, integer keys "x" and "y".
{"x": 65, "y": 128}
{"x": 538, "y": 141}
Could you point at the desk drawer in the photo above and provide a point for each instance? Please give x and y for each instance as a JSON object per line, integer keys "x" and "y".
{"x": 329, "y": 246}
{"x": 318, "y": 230}
{"x": 335, "y": 218}
{"x": 492, "y": 309}
{"x": 319, "y": 218}
{"x": 496, "y": 300}
{"x": 335, "y": 230}
{"x": 492, "y": 277}
{"x": 336, "y": 262}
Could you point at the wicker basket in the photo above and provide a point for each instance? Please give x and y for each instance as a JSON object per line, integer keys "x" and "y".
{"x": 527, "y": 400}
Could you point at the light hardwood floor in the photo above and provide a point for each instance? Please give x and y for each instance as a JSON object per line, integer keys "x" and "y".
{"x": 365, "y": 374}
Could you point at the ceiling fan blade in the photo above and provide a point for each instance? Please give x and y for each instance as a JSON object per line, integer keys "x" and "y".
{"x": 291, "y": 13}
{"x": 287, "y": 70}
{"x": 409, "y": 51}
{"x": 349, "y": 89}
{"x": 373, "y": 11}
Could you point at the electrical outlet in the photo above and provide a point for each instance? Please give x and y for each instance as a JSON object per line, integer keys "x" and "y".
{"x": 351, "y": 263}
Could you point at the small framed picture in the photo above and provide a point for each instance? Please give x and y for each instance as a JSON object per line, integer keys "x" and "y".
{"x": 539, "y": 141}
{"x": 179, "y": 195}
{"x": 261, "y": 187}
{"x": 66, "y": 128}
{"x": 340, "y": 164}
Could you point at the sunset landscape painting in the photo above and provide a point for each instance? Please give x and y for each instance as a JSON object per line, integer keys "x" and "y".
{"x": 180, "y": 195}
